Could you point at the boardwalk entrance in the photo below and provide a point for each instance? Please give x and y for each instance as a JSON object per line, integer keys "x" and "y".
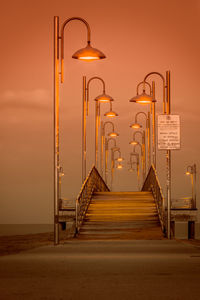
{"x": 121, "y": 215}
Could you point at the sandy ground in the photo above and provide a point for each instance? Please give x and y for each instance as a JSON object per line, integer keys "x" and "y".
{"x": 17, "y": 243}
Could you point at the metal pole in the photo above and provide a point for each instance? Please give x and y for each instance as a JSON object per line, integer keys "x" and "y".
{"x": 84, "y": 131}
{"x": 153, "y": 125}
{"x": 106, "y": 159}
{"x": 102, "y": 144}
{"x": 168, "y": 161}
{"x": 149, "y": 143}
{"x": 96, "y": 132}
{"x": 195, "y": 173}
{"x": 56, "y": 130}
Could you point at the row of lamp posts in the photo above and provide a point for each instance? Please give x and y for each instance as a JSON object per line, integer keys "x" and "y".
{"x": 88, "y": 54}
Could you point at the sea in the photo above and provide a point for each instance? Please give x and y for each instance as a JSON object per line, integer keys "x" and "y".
{"x": 22, "y": 229}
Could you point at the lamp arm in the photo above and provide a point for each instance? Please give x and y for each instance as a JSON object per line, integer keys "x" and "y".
{"x": 108, "y": 122}
{"x": 87, "y": 89}
{"x": 62, "y": 40}
{"x": 140, "y": 132}
{"x": 111, "y": 139}
{"x": 143, "y": 83}
{"x": 164, "y": 86}
{"x": 140, "y": 112}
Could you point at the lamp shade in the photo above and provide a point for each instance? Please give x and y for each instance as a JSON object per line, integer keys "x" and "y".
{"x": 88, "y": 53}
{"x": 133, "y": 143}
{"x": 136, "y": 126}
{"x": 113, "y": 134}
{"x": 103, "y": 98}
{"x": 119, "y": 166}
{"x": 142, "y": 99}
{"x": 119, "y": 159}
{"x": 111, "y": 114}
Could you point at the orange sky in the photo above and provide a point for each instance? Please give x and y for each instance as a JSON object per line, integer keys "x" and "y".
{"x": 137, "y": 37}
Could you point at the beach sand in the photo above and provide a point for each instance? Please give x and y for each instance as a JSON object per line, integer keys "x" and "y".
{"x": 13, "y": 244}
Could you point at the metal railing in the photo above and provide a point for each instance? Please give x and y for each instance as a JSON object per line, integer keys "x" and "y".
{"x": 152, "y": 184}
{"x": 93, "y": 183}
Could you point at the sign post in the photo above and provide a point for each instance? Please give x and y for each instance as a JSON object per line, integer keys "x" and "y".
{"x": 168, "y": 139}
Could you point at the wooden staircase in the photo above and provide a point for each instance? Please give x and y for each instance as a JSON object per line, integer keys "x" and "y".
{"x": 121, "y": 215}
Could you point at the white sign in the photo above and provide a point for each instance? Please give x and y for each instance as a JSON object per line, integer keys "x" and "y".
{"x": 169, "y": 132}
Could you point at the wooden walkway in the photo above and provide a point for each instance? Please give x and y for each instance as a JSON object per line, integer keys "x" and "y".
{"x": 121, "y": 215}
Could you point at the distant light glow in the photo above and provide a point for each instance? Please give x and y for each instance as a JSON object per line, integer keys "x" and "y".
{"x": 133, "y": 143}
{"x": 188, "y": 173}
{"x": 111, "y": 114}
{"x": 136, "y": 126}
{"x": 120, "y": 159}
{"x": 119, "y": 167}
{"x": 113, "y": 134}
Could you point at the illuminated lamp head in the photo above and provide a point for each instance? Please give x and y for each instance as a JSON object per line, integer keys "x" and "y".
{"x": 133, "y": 143}
{"x": 119, "y": 166}
{"x": 103, "y": 98}
{"x": 143, "y": 99}
{"x": 136, "y": 126}
{"x": 111, "y": 114}
{"x": 113, "y": 134}
{"x": 88, "y": 53}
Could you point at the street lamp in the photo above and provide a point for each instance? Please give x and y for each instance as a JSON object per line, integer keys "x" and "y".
{"x": 107, "y": 141}
{"x": 88, "y": 53}
{"x": 143, "y": 143}
{"x": 136, "y": 125}
{"x": 135, "y": 155}
{"x": 112, "y": 134}
{"x": 113, "y": 150}
{"x": 142, "y": 158}
{"x": 191, "y": 170}
{"x": 166, "y": 110}
{"x": 102, "y": 98}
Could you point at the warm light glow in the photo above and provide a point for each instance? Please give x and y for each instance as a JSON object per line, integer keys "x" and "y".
{"x": 133, "y": 143}
{"x": 188, "y": 173}
{"x": 143, "y": 99}
{"x": 113, "y": 134}
{"x": 89, "y": 57}
{"x": 88, "y": 53}
{"x": 111, "y": 114}
{"x": 136, "y": 126}
{"x": 103, "y": 98}
{"x": 120, "y": 159}
{"x": 119, "y": 167}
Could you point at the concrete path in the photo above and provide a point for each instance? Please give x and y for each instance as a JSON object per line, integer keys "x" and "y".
{"x": 122, "y": 270}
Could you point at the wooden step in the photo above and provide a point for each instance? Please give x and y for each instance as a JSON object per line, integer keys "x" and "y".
{"x": 121, "y": 215}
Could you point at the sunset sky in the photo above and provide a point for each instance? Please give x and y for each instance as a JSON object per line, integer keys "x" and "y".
{"x": 137, "y": 37}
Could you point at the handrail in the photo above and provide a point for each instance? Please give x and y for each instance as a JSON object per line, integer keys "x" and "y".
{"x": 93, "y": 183}
{"x": 152, "y": 184}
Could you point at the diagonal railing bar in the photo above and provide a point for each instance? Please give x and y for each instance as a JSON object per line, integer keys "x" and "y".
{"x": 93, "y": 183}
{"x": 152, "y": 184}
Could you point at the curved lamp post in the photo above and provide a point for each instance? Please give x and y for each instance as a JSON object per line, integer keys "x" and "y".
{"x": 102, "y": 98}
{"x": 88, "y": 53}
{"x": 136, "y": 125}
{"x": 142, "y": 158}
{"x": 144, "y": 98}
{"x": 107, "y": 141}
{"x": 166, "y": 110}
{"x": 112, "y": 134}
{"x": 113, "y": 150}
{"x": 143, "y": 145}
{"x": 191, "y": 170}
{"x": 136, "y": 155}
